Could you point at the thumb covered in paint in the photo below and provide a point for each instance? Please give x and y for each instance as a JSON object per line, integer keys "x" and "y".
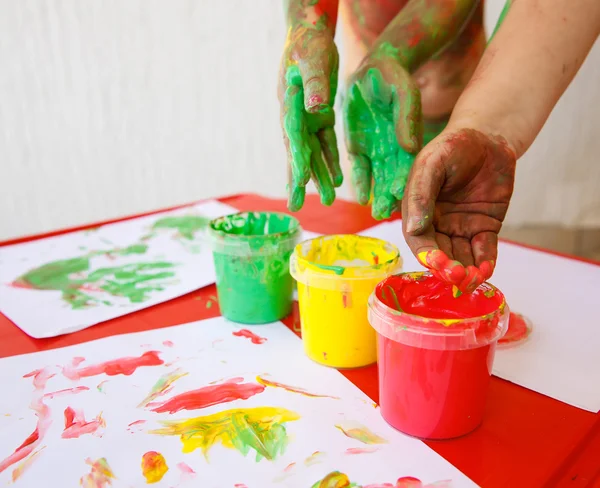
{"x": 319, "y": 71}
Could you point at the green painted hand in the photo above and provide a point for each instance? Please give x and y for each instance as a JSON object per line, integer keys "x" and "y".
{"x": 383, "y": 127}
{"x": 307, "y": 89}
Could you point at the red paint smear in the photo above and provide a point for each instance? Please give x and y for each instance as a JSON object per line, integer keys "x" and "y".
{"x": 137, "y": 422}
{"x": 289, "y": 467}
{"x": 40, "y": 377}
{"x": 517, "y": 329}
{"x": 428, "y": 297}
{"x": 184, "y": 468}
{"x": 209, "y": 396}
{"x": 168, "y": 343}
{"x": 30, "y": 444}
{"x": 75, "y": 424}
{"x": 250, "y": 335}
{"x": 125, "y": 366}
{"x": 21, "y": 284}
{"x": 360, "y": 450}
{"x": 66, "y": 391}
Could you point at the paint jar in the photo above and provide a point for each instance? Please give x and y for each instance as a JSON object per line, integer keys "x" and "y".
{"x": 251, "y": 252}
{"x": 336, "y": 275}
{"x": 435, "y": 353}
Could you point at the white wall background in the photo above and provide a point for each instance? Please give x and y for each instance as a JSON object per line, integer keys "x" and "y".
{"x": 119, "y": 106}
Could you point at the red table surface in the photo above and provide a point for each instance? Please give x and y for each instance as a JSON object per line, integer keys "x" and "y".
{"x": 526, "y": 439}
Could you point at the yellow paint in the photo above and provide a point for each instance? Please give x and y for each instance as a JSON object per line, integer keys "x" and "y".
{"x": 260, "y": 429}
{"x": 336, "y": 275}
{"x": 422, "y": 257}
{"x": 154, "y": 466}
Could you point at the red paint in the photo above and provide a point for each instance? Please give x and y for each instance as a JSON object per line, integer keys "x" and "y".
{"x": 433, "y": 385}
{"x": 518, "y": 330}
{"x": 168, "y": 343}
{"x": 453, "y": 272}
{"x": 125, "y": 366}
{"x": 250, "y": 335}
{"x": 76, "y": 426}
{"x": 426, "y": 296}
{"x": 360, "y": 450}
{"x": 40, "y": 377}
{"x": 66, "y": 391}
{"x": 209, "y": 396}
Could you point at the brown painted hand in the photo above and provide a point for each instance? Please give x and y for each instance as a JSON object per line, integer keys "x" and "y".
{"x": 456, "y": 198}
{"x": 383, "y": 128}
{"x": 307, "y": 88}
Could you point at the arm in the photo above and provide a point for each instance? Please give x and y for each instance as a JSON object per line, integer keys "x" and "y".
{"x": 312, "y": 18}
{"x": 422, "y": 29}
{"x": 307, "y": 88}
{"x": 461, "y": 184}
{"x": 541, "y": 46}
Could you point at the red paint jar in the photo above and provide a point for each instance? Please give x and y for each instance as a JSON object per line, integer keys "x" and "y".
{"x": 435, "y": 353}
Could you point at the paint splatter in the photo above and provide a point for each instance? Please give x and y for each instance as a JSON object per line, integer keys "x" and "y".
{"x": 40, "y": 377}
{"x": 29, "y": 445}
{"x": 25, "y": 465}
{"x": 66, "y": 391}
{"x": 163, "y": 386}
{"x": 185, "y": 469}
{"x": 293, "y": 389}
{"x": 168, "y": 343}
{"x": 255, "y": 339}
{"x": 260, "y": 429}
{"x": 360, "y": 450}
{"x": 125, "y": 366}
{"x": 136, "y": 426}
{"x": 185, "y": 225}
{"x": 335, "y": 479}
{"x": 315, "y": 458}
{"x": 100, "y": 386}
{"x": 75, "y": 424}
{"x": 154, "y": 466}
{"x": 209, "y": 396}
{"x": 361, "y": 433}
{"x": 78, "y": 283}
{"x": 100, "y": 475}
{"x": 519, "y": 329}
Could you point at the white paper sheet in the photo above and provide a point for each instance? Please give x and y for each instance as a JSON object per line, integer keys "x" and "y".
{"x": 209, "y": 352}
{"x": 560, "y": 296}
{"x": 180, "y": 262}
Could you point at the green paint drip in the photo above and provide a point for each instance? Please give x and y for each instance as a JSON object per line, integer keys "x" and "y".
{"x": 254, "y": 285}
{"x": 338, "y": 270}
{"x": 186, "y": 225}
{"x": 395, "y": 298}
{"x": 73, "y": 278}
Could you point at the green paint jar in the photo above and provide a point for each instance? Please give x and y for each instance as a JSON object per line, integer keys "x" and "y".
{"x": 251, "y": 252}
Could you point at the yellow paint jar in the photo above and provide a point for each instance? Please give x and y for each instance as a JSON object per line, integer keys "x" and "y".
{"x": 336, "y": 275}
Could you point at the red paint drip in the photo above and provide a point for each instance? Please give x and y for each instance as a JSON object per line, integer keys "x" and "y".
{"x": 209, "y": 396}
{"x": 518, "y": 330}
{"x": 125, "y": 366}
{"x": 250, "y": 335}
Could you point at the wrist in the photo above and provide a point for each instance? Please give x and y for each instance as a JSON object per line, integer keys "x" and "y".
{"x": 511, "y": 127}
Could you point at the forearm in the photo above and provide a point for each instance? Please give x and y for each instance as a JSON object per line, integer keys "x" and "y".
{"x": 527, "y": 67}
{"x": 422, "y": 29}
{"x": 320, "y": 14}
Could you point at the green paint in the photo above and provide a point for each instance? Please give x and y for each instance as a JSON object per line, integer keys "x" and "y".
{"x": 251, "y": 252}
{"x": 338, "y": 270}
{"x": 311, "y": 137}
{"x": 72, "y": 277}
{"x": 336, "y": 479}
{"x": 395, "y": 297}
{"x": 186, "y": 225}
{"x": 372, "y": 111}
